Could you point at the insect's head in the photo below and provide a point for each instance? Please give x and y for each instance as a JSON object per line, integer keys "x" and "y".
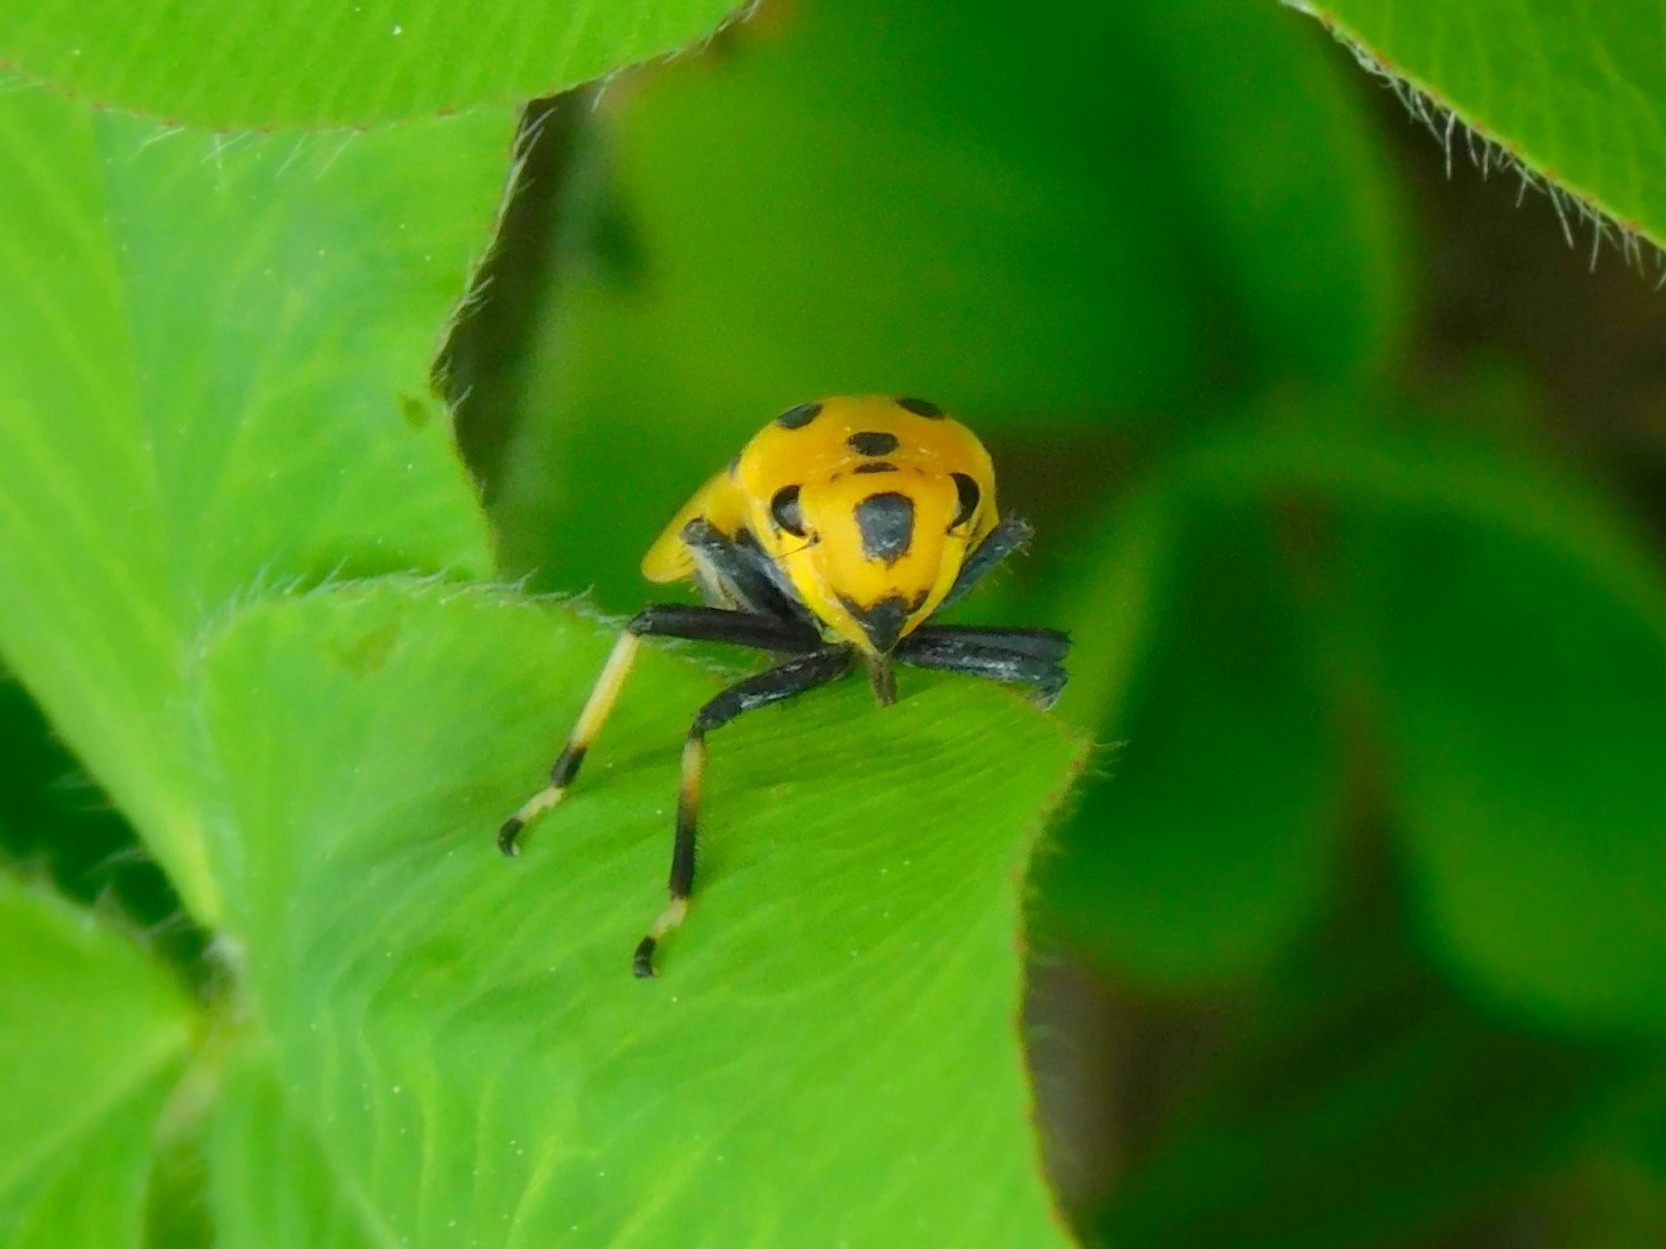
{"x": 870, "y": 512}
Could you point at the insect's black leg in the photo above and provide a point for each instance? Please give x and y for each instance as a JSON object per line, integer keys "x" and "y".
{"x": 736, "y": 569}
{"x": 1002, "y": 541}
{"x": 1030, "y": 657}
{"x": 1046, "y": 644}
{"x": 794, "y": 676}
{"x": 718, "y": 624}
{"x": 701, "y": 624}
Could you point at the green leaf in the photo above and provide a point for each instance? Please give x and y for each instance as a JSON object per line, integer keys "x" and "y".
{"x": 270, "y": 1183}
{"x": 1574, "y": 91}
{"x": 1206, "y": 848}
{"x": 1516, "y": 631}
{"x": 93, "y": 1034}
{"x": 1306, "y": 240}
{"x": 881, "y": 195}
{"x": 830, "y": 1054}
{"x": 1430, "y": 466}
{"x": 1120, "y": 595}
{"x": 215, "y": 378}
{"x": 310, "y": 63}
{"x": 1535, "y": 836}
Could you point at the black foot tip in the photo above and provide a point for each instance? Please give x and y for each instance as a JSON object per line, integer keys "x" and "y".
{"x": 506, "y": 837}
{"x": 642, "y": 965}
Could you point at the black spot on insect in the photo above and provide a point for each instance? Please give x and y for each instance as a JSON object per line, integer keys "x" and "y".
{"x": 883, "y": 621}
{"x": 799, "y": 417}
{"x": 786, "y": 513}
{"x": 969, "y": 497}
{"x": 873, "y": 442}
{"x": 920, "y": 407}
{"x": 876, "y": 466}
{"x": 886, "y": 522}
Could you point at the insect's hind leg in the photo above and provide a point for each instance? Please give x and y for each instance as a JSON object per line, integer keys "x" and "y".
{"x": 704, "y": 624}
{"x": 794, "y": 676}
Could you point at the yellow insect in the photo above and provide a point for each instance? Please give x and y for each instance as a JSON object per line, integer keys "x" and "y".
{"x": 834, "y": 536}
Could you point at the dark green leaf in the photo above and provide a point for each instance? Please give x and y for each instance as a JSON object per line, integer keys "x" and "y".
{"x": 1519, "y": 629}
{"x": 1205, "y": 849}
{"x": 1525, "y": 701}
{"x": 1366, "y": 1108}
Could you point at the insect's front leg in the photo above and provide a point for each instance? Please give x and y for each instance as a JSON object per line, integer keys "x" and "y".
{"x": 794, "y": 676}
{"x": 590, "y": 721}
{"x": 1032, "y": 657}
{"x": 700, "y": 624}
{"x": 1006, "y": 538}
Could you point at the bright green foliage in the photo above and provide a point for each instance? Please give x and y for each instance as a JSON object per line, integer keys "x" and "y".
{"x": 270, "y": 1182}
{"x": 417, "y": 1036}
{"x": 1386, "y": 698}
{"x": 179, "y": 421}
{"x": 92, "y": 1036}
{"x": 317, "y": 63}
{"x": 847, "y": 976}
{"x": 1574, "y": 91}
{"x": 947, "y": 201}
{"x": 258, "y": 418}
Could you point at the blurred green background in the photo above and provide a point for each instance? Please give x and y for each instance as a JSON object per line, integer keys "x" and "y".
{"x": 1347, "y": 473}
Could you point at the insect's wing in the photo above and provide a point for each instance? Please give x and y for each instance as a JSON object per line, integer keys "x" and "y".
{"x": 718, "y": 502}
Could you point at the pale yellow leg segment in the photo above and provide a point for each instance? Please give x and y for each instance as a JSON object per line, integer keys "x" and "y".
{"x": 590, "y": 721}
{"x": 674, "y": 913}
{"x": 642, "y": 963}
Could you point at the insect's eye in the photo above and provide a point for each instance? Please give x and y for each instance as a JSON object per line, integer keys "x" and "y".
{"x": 784, "y": 508}
{"x": 969, "y": 496}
